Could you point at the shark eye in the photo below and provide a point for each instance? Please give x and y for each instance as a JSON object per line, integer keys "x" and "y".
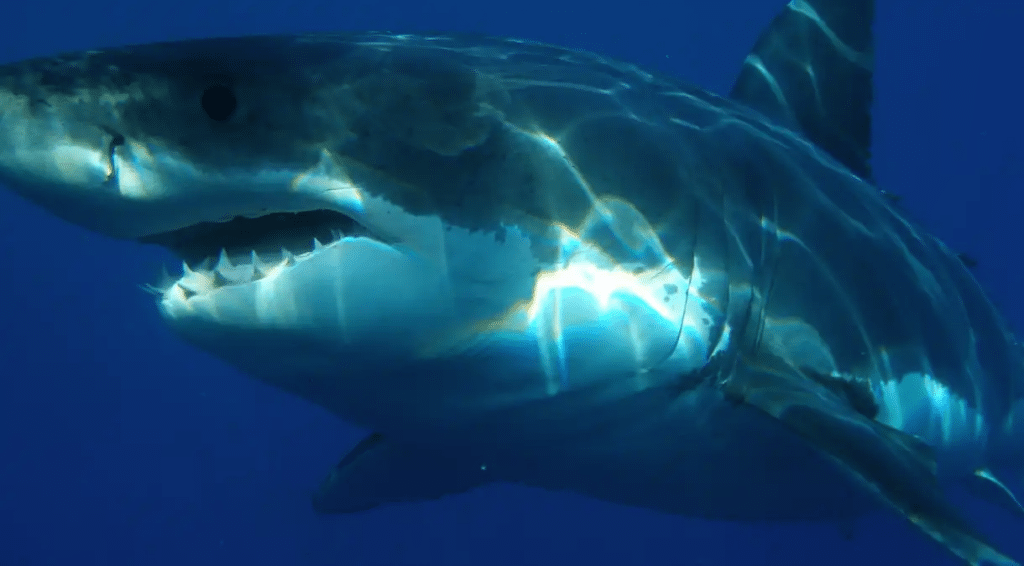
{"x": 219, "y": 102}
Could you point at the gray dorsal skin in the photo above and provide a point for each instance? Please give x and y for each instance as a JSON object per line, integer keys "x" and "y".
{"x": 812, "y": 70}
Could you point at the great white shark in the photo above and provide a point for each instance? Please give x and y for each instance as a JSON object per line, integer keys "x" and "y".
{"x": 517, "y": 262}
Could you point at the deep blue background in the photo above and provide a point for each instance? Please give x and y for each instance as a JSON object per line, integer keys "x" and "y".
{"x": 120, "y": 445}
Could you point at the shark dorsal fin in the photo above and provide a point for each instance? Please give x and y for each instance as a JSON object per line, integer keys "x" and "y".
{"x": 811, "y": 70}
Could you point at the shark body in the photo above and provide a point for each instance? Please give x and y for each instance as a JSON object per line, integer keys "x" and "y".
{"x": 517, "y": 262}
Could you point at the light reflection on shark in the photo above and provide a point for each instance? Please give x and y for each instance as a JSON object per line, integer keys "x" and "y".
{"x": 523, "y": 263}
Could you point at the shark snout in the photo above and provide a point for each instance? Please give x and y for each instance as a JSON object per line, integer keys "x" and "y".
{"x": 70, "y": 178}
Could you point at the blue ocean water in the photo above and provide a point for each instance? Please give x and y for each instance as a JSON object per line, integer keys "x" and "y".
{"x": 121, "y": 445}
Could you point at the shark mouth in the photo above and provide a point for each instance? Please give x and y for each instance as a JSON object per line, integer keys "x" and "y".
{"x": 295, "y": 232}
{"x": 240, "y": 250}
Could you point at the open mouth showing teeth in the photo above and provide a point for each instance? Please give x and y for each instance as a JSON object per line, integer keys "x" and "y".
{"x": 268, "y": 236}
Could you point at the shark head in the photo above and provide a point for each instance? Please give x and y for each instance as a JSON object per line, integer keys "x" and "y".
{"x": 366, "y": 201}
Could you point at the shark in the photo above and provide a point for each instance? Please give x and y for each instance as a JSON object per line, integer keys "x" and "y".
{"x": 517, "y": 262}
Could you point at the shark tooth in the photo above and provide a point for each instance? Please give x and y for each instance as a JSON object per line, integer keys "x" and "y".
{"x": 259, "y": 269}
{"x": 287, "y": 258}
{"x": 317, "y": 246}
{"x": 219, "y": 280}
{"x": 187, "y": 291}
{"x": 223, "y": 263}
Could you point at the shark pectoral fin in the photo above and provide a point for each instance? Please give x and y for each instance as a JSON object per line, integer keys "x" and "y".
{"x": 895, "y": 466}
{"x": 378, "y": 472}
{"x": 986, "y": 486}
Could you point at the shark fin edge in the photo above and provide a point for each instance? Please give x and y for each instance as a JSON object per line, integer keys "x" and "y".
{"x": 898, "y": 468}
{"x": 812, "y": 71}
{"x": 984, "y": 485}
{"x": 378, "y": 472}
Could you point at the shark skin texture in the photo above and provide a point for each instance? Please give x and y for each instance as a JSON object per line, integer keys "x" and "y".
{"x": 517, "y": 262}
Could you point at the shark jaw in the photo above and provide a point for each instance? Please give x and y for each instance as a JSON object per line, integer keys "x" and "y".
{"x": 245, "y": 250}
{"x": 318, "y": 271}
